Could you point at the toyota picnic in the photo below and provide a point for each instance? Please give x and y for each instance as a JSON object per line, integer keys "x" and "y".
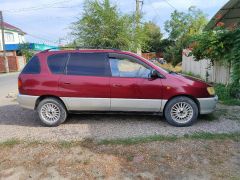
{"x": 58, "y": 82}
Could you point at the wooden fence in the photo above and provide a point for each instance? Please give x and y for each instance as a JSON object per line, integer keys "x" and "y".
{"x": 212, "y": 73}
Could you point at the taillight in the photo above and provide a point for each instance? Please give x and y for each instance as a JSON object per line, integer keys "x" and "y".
{"x": 19, "y": 83}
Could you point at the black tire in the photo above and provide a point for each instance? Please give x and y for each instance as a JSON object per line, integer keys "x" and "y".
{"x": 172, "y": 112}
{"x": 61, "y": 115}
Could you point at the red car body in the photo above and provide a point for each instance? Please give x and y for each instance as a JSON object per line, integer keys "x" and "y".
{"x": 170, "y": 85}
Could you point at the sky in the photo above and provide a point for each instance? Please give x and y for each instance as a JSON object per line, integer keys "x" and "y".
{"x": 49, "y": 21}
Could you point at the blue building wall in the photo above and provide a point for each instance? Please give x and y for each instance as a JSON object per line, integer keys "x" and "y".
{"x": 33, "y": 46}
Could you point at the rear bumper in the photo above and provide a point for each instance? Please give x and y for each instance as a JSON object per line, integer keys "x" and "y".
{"x": 207, "y": 105}
{"x": 27, "y": 101}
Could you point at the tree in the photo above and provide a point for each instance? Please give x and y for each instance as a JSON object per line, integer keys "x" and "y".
{"x": 26, "y": 51}
{"x": 181, "y": 27}
{"x": 152, "y": 37}
{"x": 103, "y": 26}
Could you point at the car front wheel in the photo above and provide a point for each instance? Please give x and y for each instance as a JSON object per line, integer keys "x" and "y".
{"x": 51, "y": 112}
{"x": 181, "y": 111}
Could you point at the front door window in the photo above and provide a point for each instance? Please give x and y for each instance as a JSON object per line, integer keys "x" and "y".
{"x": 123, "y": 67}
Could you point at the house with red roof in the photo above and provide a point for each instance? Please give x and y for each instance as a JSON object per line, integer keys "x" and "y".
{"x": 13, "y": 37}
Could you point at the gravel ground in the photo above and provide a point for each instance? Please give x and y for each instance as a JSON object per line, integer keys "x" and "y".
{"x": 17, "y": 122}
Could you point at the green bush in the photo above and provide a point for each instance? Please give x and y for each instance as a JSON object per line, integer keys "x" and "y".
{"x": 225, "y": 94}
{"x": 26, "y": 51}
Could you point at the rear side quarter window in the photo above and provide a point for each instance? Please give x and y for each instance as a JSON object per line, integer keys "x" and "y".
{"x": 57, "y": 63}
{"x": 32, "y": 67}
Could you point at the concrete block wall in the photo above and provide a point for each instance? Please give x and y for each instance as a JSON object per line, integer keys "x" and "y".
{"x": 13, "y": 62}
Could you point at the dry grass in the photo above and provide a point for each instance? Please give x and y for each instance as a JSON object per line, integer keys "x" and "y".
{"x": 170, "y": 67}
{"x": 186, "y": 158}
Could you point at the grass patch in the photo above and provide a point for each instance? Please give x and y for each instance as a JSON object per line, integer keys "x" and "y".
{"x": 66, "y": 144}
{"x": 10, "y": 143}
{"x": 224, "y": 96}
{"x": 211, "y": 136}
{"x": 231, "y": 102}
{"x": 195, "y": 136}
{"x": 137, "y": 140}
{"x": 131, "y": 141}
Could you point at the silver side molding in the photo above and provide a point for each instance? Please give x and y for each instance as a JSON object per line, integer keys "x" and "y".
{"x": 113, "y": 104}
{"x": 147, "y": 105}
{"x": 100, "y": 104}
{"x": 87, "y": 104}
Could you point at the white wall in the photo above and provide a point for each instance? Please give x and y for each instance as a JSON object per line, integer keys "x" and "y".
{"x": 217, "y": 72}
{"x": 17, "y": 38}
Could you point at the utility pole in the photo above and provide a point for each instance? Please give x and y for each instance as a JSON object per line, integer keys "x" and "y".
{"x": 3, "y": 44}
{"x": 138, "y": 16}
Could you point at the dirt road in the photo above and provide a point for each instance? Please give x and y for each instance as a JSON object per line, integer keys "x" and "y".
{"x": 182, "y": 159}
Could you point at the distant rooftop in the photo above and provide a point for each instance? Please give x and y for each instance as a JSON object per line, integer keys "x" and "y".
{"x": 228, "y": 16}
{"x": 11, "y": 27}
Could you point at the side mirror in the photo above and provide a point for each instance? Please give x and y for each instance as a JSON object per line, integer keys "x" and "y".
{"x": 154, "y": 74}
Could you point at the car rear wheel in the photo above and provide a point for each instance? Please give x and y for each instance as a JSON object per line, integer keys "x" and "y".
{"x": 51, "y": 112}
{"x": 181, "y": 111}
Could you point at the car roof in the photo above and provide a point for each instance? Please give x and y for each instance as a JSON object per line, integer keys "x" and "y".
{"x": 80, "y": 50}
{"x": 53, "y": 51}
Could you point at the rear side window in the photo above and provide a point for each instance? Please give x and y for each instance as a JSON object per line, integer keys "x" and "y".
{"x": 32, "y": 67}
{"x": 88, "y": 64}
{"x": 57, "y": 62}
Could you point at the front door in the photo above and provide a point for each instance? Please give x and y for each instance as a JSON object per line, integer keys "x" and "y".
{"x": 85, "y": 85}
{"x": 131, "y": 88}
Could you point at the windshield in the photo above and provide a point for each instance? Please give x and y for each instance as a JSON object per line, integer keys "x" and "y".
{"x": 163, "y": 69}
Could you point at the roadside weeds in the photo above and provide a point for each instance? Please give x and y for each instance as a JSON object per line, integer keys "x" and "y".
{"x": 198, "y": 136}
{"x": 127, "y": 141}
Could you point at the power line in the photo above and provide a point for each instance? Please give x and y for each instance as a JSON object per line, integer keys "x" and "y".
{"x": 155, "y": 10}
{"x": 20, "y": 12}
{"x": 38, "y": 37}
{"x": 42, "y": 6}
{"x": 43, "y": 39}
{"x": 170, "y": 4}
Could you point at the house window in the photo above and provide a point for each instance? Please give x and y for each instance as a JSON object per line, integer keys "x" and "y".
{"x": 9, "y": 37}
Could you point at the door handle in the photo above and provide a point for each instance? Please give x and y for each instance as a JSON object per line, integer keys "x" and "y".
{"x": 67, "y": 83}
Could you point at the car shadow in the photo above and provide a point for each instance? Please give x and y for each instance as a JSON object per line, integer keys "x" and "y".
{"x": 16, "y": 115}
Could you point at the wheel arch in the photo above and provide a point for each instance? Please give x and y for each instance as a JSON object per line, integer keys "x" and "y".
{"x": 40, "y": 98}
{"x": 183, "y": 95}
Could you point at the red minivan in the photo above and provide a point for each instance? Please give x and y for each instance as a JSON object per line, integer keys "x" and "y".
{"x": 55, "y": 83}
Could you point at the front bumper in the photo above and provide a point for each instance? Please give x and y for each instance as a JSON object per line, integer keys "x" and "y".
{"x": 207, "y": 105}
{"x": 27, "y": 101}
